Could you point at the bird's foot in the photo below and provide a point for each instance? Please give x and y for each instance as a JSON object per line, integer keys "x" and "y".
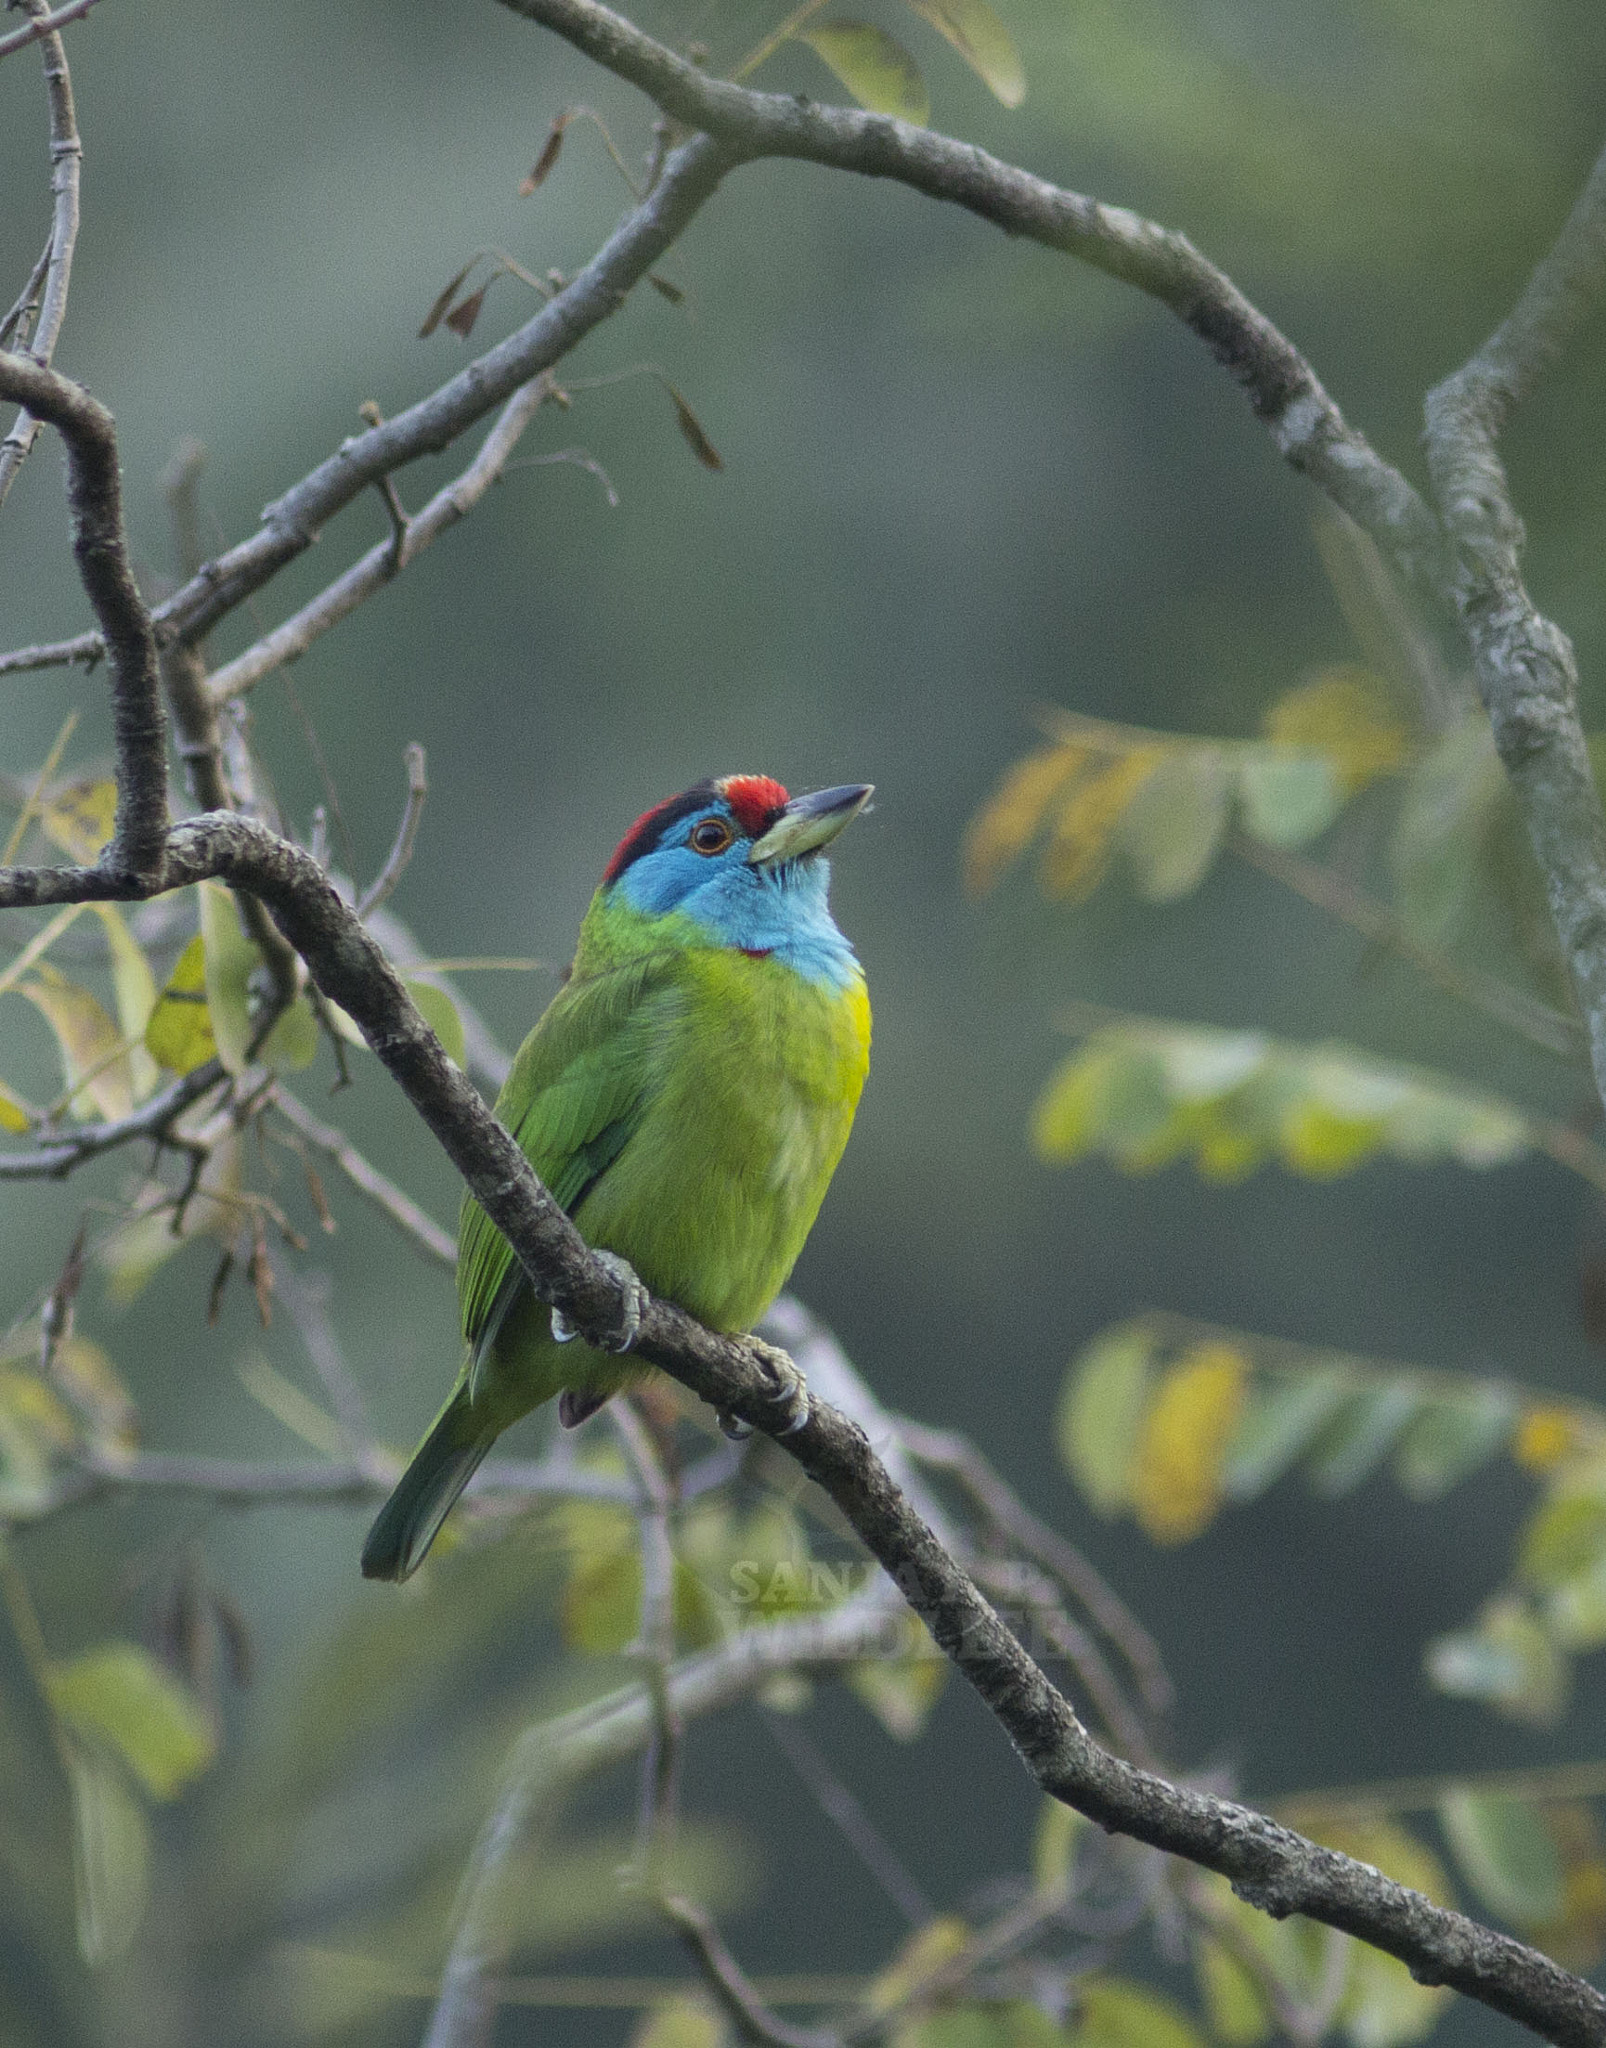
{"x": 636, "y": 1297}
{"x": 787, "y": 1393}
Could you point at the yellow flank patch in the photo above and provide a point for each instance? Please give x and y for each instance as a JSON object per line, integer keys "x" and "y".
{"x": 1183, "y": 1442}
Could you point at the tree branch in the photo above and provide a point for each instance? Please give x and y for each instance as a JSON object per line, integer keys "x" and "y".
{"x": 94, "y": 494}
{"x": 66, "y": 162}
{"x": 288, "y": 642}
{"x": 44, "y": 24}
{"x": 1527, "y": 672}
{"x": 1283, "y": 390}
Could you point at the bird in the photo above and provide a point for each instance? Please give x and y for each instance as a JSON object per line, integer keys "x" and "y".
{"x": 685, "y": 1099}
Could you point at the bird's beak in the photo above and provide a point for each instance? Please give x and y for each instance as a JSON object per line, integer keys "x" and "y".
{"x": 810, "y": 822}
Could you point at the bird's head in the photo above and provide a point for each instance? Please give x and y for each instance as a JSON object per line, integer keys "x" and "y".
{"x": 740, "y": 858}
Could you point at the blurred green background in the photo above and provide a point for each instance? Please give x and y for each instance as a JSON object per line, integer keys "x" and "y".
{"x": 962, "y": 477}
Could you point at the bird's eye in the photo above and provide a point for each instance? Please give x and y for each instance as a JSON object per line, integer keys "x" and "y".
{"x": 713, "y": 835}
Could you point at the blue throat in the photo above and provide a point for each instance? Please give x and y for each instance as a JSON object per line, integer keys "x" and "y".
{"x": 782, "y": 913}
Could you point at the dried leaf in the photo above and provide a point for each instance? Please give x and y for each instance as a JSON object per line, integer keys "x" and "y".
{"x": 705, "y": 451}
{"x": 551, "y": 149}
{"x": 876, "y": 69}
{"x": 1078, "y": 849}
{"x": 463, "y": 315}
{"x": 134, "y": 987}
{"x": 437, "y": 312}
{"x": 1007, "y": 823}
{"x": 982, "y": 40}
{"x": 661, "y": 285}
{"x": 79, "y": 819}
{"x": 93, "y": 1069}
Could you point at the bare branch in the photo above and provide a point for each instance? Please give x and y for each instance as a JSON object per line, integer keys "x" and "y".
{"x": 724, "y": 1976}
{"x": 1518, "y": 1011}
{"x": 599, "y": 1735}
{"x": 375, "y": 569}
{"x": 654, "y": 1647}
{"x": 839, "y": 1805}
{"x": 1283, "y": 389}
{"x": 154, "y": 1118}
{"x": 44, "y": 23}
{"x": 392, "y": 1201}
{"x": 66, "y": 161}
{"x": 402, "y": 850}
{"x": 83, "y": 647}
{"x": 1527, "y": 672}
{"x": 101, "y": 550}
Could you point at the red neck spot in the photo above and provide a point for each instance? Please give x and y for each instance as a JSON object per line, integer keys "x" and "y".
{"x": 754, "y": 801}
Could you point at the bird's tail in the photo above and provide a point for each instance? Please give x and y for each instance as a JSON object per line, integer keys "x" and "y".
{"x": 441, "y": 1467}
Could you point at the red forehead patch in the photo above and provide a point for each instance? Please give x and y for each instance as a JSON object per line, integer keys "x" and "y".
{"x": 754, "y": 800}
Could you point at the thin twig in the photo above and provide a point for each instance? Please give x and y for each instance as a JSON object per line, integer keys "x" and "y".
{"x": 66, "y": 162}
{"x": 44, "y": 23}
{"x": 153, "y": 1119}
{"x": 401, "y": 852}
{"x": 725, "y": 1978}
{"x": 306, "y": 1296}
{"x": 28, "y": 302}
{"x": 948, "y": 1451}
{"x": 377, "y": 1187}
{"x": 1512, "y": 1007}
{"x": 1526, "y": 669}
{"x": 654, "y": 1648}
{"x": 843, "y": 1810}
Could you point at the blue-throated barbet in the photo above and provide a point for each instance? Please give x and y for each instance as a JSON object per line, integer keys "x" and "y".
{"x": 685, "y": 1098}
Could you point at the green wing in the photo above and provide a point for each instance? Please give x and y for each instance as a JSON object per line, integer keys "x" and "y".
{"x": 574, "y": 1098}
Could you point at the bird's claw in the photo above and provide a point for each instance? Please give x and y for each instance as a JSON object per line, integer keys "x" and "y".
{"x": 787, "y": 1391}
{"x": 632, "y": 1308}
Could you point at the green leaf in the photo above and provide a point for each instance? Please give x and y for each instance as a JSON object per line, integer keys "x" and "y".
{"x": 1059, "y": 1828}
{"x": 1172, "y": 829}
{"x": 1566, "y": 1536}
{"x": 982, "y": 40}
{"x": 134, "y": 987}
{"x": 1287, "y": 798}
{"x": 179, "y": 1034}
{"x": 1111, "y": 1093}
{"x": 1384, "y": 2006}
{"x": 687, "y": 2022}
{"x": 1283, "y": 1418}
{"x": 1509, "y": 1661}
{"x": 439, "y": 1012}
{"x": 1507, "y": 1855}
{"x": 1114, "y": 2014}
{"x": 879, "y": 72}
{"x": 230, "y": 959}
{"x": 1453, "y": 801}
{"x": 1101, "y": 1411}
{"x": 1362, "y": 1435}
{"x": 111, "y": 1855}
{"x": 1450, "y": 1436}
{"x": 1234, "y": 2002}
{"x": 119, "y": 1696}
{"x": 901, "y": 1691}
{"x": 294, "y": 1040}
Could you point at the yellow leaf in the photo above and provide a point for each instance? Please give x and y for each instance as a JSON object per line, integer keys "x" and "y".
{"x": 982, "y": 40}
{"x": 88, "y": 1041}
{"x": 1546, "y": 1437}
{"x": 117, "y": 1696}
{"x": 179, "y": 1034}
{"x": 14, "y": 1112}
{"x": 1079, "y": 845}
{"x": 878, "y": 71}
{"x": 1006, "y": 824}
{"x": 79, "y": 818}
{"x": 1349, "y": 715}
{"x": 926, "y": 1954}
{"x": 1177, "y": 1473}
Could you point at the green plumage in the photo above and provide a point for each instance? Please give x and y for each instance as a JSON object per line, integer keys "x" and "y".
{"x": 687, "y": 1105}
